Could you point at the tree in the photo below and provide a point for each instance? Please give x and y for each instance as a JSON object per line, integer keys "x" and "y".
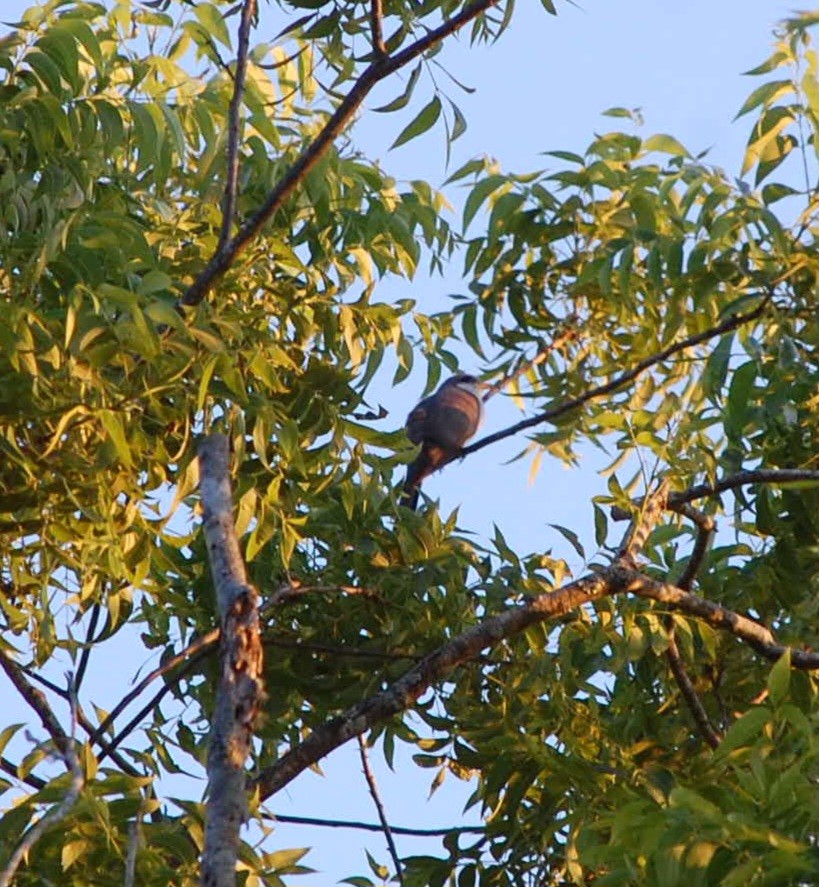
{"x": 188, "y": 246}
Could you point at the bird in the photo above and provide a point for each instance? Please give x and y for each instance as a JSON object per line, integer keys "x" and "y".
{"x": 441, "y": 423}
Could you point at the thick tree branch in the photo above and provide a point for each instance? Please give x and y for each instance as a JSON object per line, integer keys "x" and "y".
{"x": 234, "y": 123}
{"x": 399, "y": 696}
{"x": 620, "y": 381}
{"x": 432, "y": 668}
{"x": 373, "y": 74}
{"x": 240, "y": 690}
{"x": 379, "y": 806}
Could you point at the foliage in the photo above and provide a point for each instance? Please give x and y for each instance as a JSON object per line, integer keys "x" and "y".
{"x": 587, "y": 765}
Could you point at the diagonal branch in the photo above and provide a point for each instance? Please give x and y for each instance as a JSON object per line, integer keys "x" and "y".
{"x": 234, "y": 124}
{"x": 620, "y": 381}
{"x": 373, "y": 74}
{"x": 403, "y": 693}
{"x": 67, "y": 751}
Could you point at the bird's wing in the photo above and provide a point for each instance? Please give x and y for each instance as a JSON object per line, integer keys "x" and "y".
{"x": 418, "y": 419}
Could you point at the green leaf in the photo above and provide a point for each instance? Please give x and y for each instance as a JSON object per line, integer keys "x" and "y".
{"x": 666, "y": 144}
{"x": 424, "y": 120}
{"x": 213, "y": 22}
{"x": 402, "y": 100}
{"x": 779, "y": 679}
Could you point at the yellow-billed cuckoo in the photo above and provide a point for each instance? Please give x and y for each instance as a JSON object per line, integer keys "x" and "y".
{"x": 442, "y": 423}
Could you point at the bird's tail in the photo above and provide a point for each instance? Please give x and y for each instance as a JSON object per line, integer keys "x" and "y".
{"x": 430, "y": 457}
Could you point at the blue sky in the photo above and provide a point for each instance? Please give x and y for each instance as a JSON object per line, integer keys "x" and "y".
{"x": 542, "y": 87}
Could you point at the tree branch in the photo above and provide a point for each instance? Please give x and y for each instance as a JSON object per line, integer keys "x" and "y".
{"x": 379, "y": 806}
{"x": 376, "y": 28}
{"x": 403, "y": 693}
{"x": 432, "y": 668}
{"x": 619, "y": 381}
{"x": 68, "y": 753}
{"x": 679, "y": 501}
{"x": 375, "y": 72}
{"x": 705, "y": 532}
{"x": 240, "y": 690}
{"x": 234, "y": 124}
{"x": 376, "y": 827}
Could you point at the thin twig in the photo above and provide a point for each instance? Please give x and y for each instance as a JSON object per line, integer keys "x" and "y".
{"x": 379, "y": 806}
{"x": 569, "y": 332}
{"x": 376, "y": 827}
{"x": 376, "y": 28}
{"x": 193, "y": 651}
{"x": 36, "y": 701}
{"x": 373, "y": 74}
{"x": 89, "y": 642}
{"x": 12, "y": 769}
{"x": 108, "y": 748}
{"x": 618, "y": 381}
{"x": 234, "y": 123}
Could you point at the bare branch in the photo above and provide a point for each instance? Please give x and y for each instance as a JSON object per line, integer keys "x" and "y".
{"x": 688, "y": 691}
{"x": 678, "y": 501}
{"x": 379, "y": 806}
{"x": 568, "y": 333}
{"x": 643, "y": 523}
{"x": 89, "y": 642}
{"x": 376, "y": 28}
{"x": 37, "y": 701}
{"x": 193, "y": 651}
{"x": 234, "y": 124}
{"x": 619, "y": 381}
{"x": 740, "y": 479}
{"x": 67, "y": 751}
{"x": 374, "y": 73}
{"x": 376, "y": 827}
{"x": 705, "y": 532}
{"x": 31, "y": 780}
{"x": 241, "y": 690}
